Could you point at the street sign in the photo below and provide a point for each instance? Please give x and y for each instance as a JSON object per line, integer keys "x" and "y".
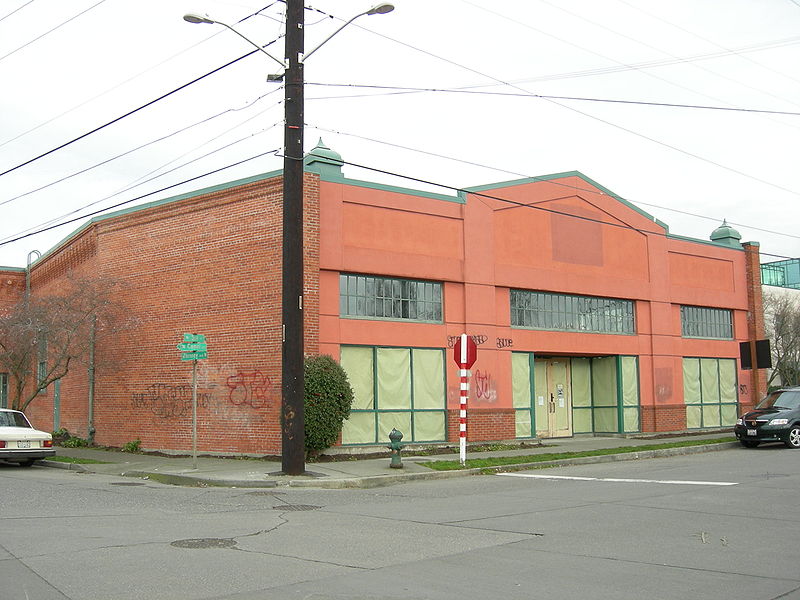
{"x": 193, "y": 347}
{"x": 193, "y": 355}
{"x": 465, "y": 351}
{"x": 194, "y": 337}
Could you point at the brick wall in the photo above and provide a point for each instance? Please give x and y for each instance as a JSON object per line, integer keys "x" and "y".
{"x": 209, "y": 264}
{"x": 483, "y": 425}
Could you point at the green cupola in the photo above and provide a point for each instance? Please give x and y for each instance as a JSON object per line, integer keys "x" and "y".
{"x": 323, "y": 160}
{"x": 725, "y": 234}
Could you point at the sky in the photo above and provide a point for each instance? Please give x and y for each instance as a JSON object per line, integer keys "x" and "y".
{"x": 688, "y": 109}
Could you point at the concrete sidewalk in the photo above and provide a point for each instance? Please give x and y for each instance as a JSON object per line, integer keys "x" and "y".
{"x": 354, "y": 472}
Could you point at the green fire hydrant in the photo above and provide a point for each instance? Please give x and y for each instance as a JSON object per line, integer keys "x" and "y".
{"x": 395, "y": 445}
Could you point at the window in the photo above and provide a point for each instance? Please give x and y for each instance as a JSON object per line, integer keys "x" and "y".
{"x": 709, "y": 392}
{"x": 368, "y": 297}
{"x": 3, "y": 390}
{"x": 713, "y": 323}
{"x": 561, "y": 312}
{"x": 401, "y": 388}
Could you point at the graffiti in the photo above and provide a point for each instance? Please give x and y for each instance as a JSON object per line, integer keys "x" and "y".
{"x": 743, "y": 389}
{"x": 505, "y": 343}
{"x": 168, "y": 401}
{"x": 484, "y": 387}
{"x": 478, "y": 339}
{"x": 252, "y": 388}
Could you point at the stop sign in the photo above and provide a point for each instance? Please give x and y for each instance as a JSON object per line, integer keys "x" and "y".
{"x": 465, "y": 351}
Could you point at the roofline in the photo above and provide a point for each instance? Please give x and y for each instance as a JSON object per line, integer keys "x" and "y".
{"x": 390, "y": 188}
{"x": 564, "y": 175}
{"x": 133, "y": 209}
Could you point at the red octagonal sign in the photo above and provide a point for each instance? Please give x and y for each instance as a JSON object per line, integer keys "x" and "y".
{"x": 465, "y": 351}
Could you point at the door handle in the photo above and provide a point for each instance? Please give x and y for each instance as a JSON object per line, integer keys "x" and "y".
{"x": 552, "y": 406}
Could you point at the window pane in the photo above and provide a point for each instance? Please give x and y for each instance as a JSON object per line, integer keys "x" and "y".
{"x": 386, "y": 298}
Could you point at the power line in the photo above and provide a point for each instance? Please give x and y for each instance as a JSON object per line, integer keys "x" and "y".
{"x": 408, "y": 89}
{"x": 49, "y": 31}
{"x": 539, "y": 178}
{"x": 145, "y": 145}
{"x": 16, "y": 10}
{"x": 127, "y": 114}
{"x": 138, "y": 182}
{"x": 97, "y": 212}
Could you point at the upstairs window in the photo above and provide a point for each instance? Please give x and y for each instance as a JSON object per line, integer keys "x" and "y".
{"x": 563, "y": 312}
{"x": 709, "y": 323}
{"x": 371, "y": 297}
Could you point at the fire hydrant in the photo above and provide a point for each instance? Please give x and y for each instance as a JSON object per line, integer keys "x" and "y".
{"x": 395, "y": 446}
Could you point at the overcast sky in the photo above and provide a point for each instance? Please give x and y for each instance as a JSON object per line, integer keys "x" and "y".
{"x": 453, "y": 92}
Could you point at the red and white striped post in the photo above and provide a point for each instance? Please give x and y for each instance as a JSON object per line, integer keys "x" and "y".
{"x": 462, "y": 415}
{"x": 465, "y": 354}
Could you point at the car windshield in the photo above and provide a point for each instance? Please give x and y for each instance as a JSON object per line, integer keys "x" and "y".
{"x": 781, "y": 399}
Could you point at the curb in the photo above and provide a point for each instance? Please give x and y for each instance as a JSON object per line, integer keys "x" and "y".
{"x": 374, "y": 481}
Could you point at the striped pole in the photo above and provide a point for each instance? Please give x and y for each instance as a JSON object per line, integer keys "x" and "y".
{"x": 462, "y": 419}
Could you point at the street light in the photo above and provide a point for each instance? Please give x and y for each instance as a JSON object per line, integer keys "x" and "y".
{"x": 292, "y": 419}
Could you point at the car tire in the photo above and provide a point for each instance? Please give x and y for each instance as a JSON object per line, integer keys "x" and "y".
{"x": 793, "y": 439}
{"x": 749, "y": 443}
{"x": 27, "y": 463}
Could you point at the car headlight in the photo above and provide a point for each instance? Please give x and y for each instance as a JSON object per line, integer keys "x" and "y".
{"x": 739, "y": 421}
{"x": 779, "y": 422}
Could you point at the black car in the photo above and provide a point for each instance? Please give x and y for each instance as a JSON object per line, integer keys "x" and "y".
{"x": 775, "y": 419}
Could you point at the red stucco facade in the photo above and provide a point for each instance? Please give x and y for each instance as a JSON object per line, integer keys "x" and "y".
{"x": 210, "y": 263}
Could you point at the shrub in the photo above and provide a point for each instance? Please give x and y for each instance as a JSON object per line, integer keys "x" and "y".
{"x": 328, "y": 397}
{"x": 74, "y": 442}
{"x": 133, "y": 446}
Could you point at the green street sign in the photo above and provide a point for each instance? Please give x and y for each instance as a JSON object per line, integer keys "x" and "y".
{"x": 194, "y": 355}
{"x": 193, "y": 347}
{"x": 194, "y": 337}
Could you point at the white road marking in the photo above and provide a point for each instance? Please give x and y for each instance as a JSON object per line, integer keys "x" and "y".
{"x": 616, "y": 480}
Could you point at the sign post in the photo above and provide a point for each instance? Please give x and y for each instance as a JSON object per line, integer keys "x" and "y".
{"x": 194, "y": 348}
{"x": 465, "y": 353}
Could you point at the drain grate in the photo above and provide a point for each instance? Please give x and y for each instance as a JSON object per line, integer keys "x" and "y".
{"x": 205, "y": 543}
{"x": 295, "y": 507}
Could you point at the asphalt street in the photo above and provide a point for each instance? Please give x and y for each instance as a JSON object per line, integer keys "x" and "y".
{"x": 712, "y": 526}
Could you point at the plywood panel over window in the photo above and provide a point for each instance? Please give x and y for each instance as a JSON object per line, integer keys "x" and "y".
{"x": 709, "y": 392}
{"x": 521, "y": 393}
{"x": 401, "y": 388}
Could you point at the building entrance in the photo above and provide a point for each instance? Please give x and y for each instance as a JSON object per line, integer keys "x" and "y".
{"x": 553, "y": 398}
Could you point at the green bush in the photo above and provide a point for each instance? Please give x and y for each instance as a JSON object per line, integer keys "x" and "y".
{"x": 328, "y": 397}
{"x": 74, "y": 442}
{"x": 133, "y": 446}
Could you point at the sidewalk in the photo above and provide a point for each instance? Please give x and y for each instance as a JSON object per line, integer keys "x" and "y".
{"x": 354, "y": 472}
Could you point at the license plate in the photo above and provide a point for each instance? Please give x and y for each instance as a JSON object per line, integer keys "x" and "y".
{"x": 752, "y": 432}
{"x": 25, "y": 444}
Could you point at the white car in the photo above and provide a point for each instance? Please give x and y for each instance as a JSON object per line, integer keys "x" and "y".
{"x": 20, "y": 442}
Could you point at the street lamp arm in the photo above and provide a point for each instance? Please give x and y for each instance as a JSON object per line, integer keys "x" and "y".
{"x": 375, "y": 10}
{"x": 193, "y": 18}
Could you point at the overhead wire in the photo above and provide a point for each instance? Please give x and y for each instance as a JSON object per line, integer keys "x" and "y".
{"x": 46, "y": 33}
{"x": 462, "y": 90}
{"x": 647, "y": 45}
{"x": 144, "y": 179}
{"x": 16, "y": 10}
{"x": 143, "y": 196}
{"x": 551, "y": 181}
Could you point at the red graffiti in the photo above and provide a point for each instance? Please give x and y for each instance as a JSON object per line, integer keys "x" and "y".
{"x": 484, "y": 388}
{"x": 250, "y": 387}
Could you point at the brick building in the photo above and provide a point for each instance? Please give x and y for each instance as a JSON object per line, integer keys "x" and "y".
{"x": 590, "y": 317}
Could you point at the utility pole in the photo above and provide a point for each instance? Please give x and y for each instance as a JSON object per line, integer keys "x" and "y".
{"x": 292, "y": 418}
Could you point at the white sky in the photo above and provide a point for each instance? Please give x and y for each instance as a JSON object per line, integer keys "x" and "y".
{"x": 68, "y": 67}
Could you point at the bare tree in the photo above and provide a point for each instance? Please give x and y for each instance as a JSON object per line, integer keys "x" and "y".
{"x": 42, "y": 338}
{"x": 782, "y": 321}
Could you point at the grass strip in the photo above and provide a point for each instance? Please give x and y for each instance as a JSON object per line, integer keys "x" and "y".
{"x": 77, "y": 461}
{"x": 499, "y": 461}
